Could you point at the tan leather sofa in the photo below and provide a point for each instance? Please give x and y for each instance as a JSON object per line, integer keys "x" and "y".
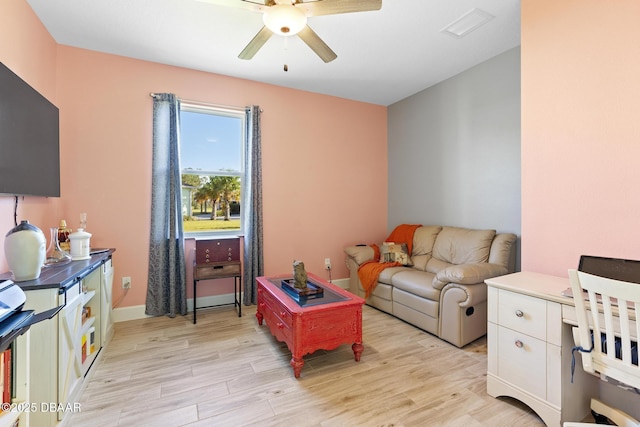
{"x": 443, "y": 292}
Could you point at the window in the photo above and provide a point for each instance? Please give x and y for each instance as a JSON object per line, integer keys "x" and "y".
{"x": 212, "y": 162}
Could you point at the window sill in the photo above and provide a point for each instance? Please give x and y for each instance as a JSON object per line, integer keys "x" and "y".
{"x": 212, "y": 236}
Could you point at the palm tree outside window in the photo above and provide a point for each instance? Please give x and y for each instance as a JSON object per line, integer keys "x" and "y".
{"x": 212, "y": 169}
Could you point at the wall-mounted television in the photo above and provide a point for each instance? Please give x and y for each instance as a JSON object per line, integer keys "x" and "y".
{"x": 29, "y": 139}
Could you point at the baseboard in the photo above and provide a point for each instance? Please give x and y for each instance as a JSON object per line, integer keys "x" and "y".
{"x": 343, "y": 283}
{"x": 135, "y": 312}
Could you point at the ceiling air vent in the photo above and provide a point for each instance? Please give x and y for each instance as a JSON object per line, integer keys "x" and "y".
{"x": 468, "y": 22}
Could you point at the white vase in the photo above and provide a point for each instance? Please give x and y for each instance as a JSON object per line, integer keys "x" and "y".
{"x": 25, "y": 250}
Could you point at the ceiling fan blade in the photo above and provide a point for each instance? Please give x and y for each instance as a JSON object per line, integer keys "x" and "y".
{"x": 256, "y": 43}
{"x": 333, "y": 7}
{"x": 316, "y": 44}
{"x": 255, "y": 5}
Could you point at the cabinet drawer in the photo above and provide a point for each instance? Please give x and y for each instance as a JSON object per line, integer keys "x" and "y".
{"x": 219, "y": 250}
{"x": 71, "y": 293}
{"x": 522, "y": 313}
{"x": 268, "y": 305}
{"x": 282, "y": 315}
{"x": 522, "y": 361}
{"x": 278, "y": 326}
{"x": 216, "y": 270}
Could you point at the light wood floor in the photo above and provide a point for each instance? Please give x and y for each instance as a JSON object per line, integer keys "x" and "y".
{"x": 228, "y": 371}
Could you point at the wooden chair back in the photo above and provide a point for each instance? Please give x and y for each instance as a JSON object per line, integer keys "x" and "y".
{"x": 607, "y": 328}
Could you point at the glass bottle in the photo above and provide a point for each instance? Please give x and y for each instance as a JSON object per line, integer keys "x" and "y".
{"x": 63, "y": 236}
{"x": 55, "y": 255}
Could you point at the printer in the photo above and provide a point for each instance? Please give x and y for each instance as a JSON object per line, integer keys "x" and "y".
{"x": 14, "y": 321}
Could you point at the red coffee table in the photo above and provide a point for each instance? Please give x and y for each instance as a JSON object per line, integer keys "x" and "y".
{"x": 311, "y": 323}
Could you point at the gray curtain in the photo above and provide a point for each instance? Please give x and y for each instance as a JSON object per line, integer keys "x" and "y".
{"x": 252, "y": 207}
{"x": 166, "y": 289}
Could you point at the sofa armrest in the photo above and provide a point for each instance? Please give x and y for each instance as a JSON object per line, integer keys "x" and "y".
{"x": 467, "y": 274}
{"x": 463, "y": 313}
{"x": 360, "y": 254}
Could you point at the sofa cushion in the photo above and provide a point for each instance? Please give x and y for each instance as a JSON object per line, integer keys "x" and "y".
{"x": 382, "y": 290}
{"x": 435, "y": 265}
{"x": 416, "y": 282}
{"x": 423, "y": 239}
{"x": 463, "y": 246}
{"x": 388, "y": 273}
{"x": 468, "y": 274}
{"x": 502, "y": 250}
{"x": 415, "y": 310}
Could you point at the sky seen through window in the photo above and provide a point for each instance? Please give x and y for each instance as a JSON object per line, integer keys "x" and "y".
{"x": 209, "y": 142}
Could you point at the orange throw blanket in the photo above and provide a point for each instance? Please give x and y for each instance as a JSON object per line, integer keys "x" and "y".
{"x": 369, "y": 271}
{"x": 403, "y": 234}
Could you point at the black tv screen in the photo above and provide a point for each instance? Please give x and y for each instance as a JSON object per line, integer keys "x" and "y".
{"x": 29, "y": 139}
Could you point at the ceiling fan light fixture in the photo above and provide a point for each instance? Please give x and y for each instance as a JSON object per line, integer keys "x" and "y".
{"x": 284, "y": 19}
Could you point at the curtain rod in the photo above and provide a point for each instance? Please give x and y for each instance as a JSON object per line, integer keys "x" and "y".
{"x": 206, "y": 104}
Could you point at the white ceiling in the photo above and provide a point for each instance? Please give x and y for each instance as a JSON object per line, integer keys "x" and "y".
{"x": 383, "y": 56}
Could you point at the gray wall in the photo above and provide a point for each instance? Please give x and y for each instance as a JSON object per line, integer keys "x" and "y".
{"x": 454, "y": 151}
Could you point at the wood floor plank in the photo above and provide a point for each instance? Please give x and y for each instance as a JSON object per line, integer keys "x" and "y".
{"x": 228, "y": 371}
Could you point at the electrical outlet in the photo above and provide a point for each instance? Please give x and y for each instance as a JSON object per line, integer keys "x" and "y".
{"x": 327, "y": 263}
{"x": 126, "y": 282}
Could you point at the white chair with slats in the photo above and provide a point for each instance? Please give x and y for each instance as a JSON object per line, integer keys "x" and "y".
{"x": 607, "y": 335}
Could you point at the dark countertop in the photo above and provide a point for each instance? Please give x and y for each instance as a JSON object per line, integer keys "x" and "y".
{"x": 64, "y": 275}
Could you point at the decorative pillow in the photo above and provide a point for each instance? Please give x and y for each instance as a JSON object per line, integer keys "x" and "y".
{"x": 395, "y": 252}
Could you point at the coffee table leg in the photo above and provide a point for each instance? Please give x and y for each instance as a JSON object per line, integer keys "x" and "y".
{"x": 357, "y": 350}
{"x": 296, "y": 364}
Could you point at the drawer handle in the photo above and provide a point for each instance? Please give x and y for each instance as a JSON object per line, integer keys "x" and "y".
{"x": 283, "y": 314}
{"x": 519, "y": 344}
{"x": 519, "y": 313}
{"x": 262, "y": 305}
{"x": 280, "y": 325}
{"x": 206, "y": 251}
{"x": 218, "y": 267}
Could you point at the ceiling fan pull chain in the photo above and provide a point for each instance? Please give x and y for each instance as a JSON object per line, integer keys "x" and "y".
{"x": 285, "y": 45}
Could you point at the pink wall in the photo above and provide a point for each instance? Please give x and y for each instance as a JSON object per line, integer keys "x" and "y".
{"x": 318, "y": 193}
{"x": 332, "y": 199}
{"x": 580, "y": 132}
{"x": 29, "y": 51}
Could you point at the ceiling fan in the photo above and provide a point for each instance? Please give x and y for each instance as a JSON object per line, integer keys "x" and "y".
{"x": 289, "y": 18}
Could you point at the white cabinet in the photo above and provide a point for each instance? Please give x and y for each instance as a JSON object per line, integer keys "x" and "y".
{"x": 523, "y": 348}
{"x": 106, "y": 321}
{"x": 42, "y": 363}
{"x": 529, "y": 350}
{"x": 60, "y": 353}
{"x": 69, "y": 354}
{"x": 78, "y": 339}
{"x": 91, "y": 329}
